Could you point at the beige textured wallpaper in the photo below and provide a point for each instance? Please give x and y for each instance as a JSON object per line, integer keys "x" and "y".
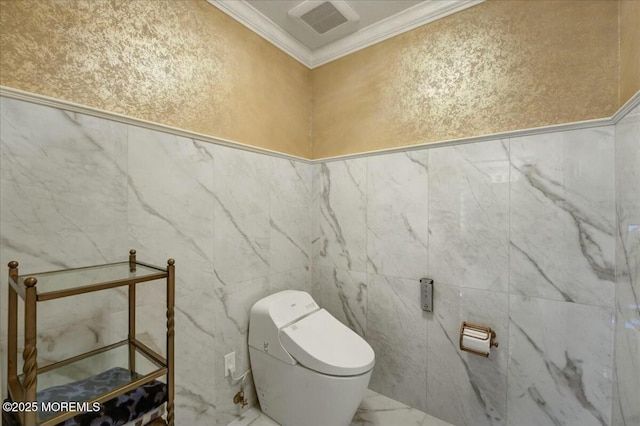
{"x": 499, "y": 66}
{"x": 629, "y": 49}
{"x": 181, "y": 63}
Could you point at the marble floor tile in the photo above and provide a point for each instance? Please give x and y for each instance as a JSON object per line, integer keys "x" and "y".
{"x": 469, "y": 215}
{"x": 397, "y": 210}
{"x": 434, "y": 421}
{"x": 375, "y": 410}
{"x": 253, "y": 417}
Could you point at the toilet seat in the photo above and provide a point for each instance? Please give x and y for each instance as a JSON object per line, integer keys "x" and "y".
{"x": 323, "y": 344}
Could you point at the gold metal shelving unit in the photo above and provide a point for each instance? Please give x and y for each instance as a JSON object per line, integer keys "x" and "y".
{"x": 137, "y": 357}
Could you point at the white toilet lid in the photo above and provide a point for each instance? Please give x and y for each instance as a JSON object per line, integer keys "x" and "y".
{"x": 323, "y": 344}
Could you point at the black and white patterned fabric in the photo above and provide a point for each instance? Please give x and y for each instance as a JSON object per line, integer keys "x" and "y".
{"x": 115, "y": 412}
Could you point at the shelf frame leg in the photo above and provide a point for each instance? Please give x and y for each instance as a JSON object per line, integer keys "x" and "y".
{"x": 132, "y": 314}
{"x": 30, "y": 353}
{"x": 132, "y": 327}
{"x": 12, "y": 324}
{"x": 171, "y": 295}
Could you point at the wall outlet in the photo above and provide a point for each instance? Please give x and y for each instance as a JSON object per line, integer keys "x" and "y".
{"x": 229, "y": 364}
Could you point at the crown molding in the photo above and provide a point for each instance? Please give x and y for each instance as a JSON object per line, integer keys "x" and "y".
{"x": 392, "y": 26}
{"x": 244, "y": 13}
{"x": 408, "y": 19}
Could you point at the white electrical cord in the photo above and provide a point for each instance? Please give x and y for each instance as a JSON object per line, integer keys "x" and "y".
{"x": 242, "y": 377}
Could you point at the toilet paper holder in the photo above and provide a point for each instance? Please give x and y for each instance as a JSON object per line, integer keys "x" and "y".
{"x": 481, "y": 334}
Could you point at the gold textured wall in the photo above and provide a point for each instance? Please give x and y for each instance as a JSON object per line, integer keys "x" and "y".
{"x": 629, "y": 49}
{"x": 181, "y": 63}
{"x": 499, "y": 66}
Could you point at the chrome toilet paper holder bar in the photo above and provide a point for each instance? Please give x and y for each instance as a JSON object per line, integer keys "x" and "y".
{"x": 490, "y": 334}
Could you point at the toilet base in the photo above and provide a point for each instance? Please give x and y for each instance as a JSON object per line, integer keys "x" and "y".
{"x": 293, "y": 395}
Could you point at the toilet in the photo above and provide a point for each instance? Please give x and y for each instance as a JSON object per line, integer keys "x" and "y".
{"x": 309, "y": 369}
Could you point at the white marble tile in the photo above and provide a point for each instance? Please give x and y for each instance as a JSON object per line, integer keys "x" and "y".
{"x": 171, "y": 206}
{"x": 232, "y": 306}
{"x": 342, "y": 221}
{"x": 55, "y": 314}
{"x": 296, "y": 279}
{"x": 434, "y": 421}
{"x": 195, "y": 360}
{"x": 314, "y": 213}
{"x": 253, "y": 417}
{"x": 290, "y": 243}
{"x": 485, "y": 379}
{"x": 463, "y": 388}
{"x": 469, "y": 215}
{"x": 194, "y": 350}
{"x": 560, "y": 363}
{"x": 343, "y": 294}
{"x": 397, "y": 210}
{"x": 377, "y": 409}
{"x": 396, "y": 330}
{"x": 562, "y": 216}
{"x": 628, "y": 172}
{"x": 444, "y": 361}
{"x": 63, "y": 175}
{"x": 62, "y": 342}
{"x": 627, "y": 351}
{"x": 63, "y": 198}
{"x": 241, "y": 209}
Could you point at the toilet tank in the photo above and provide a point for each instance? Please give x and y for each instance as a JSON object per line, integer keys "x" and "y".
{"x": 270, "y": 314}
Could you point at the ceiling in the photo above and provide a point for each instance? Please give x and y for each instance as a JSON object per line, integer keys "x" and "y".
{"x": 370, "y": 22}
{"x": 369, "y": 12}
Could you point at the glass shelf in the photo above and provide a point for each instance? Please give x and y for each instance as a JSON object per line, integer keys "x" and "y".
{"x": 109, "y": 370}
{"x": 98, "y": 376}
{"x": 68, "y": 282}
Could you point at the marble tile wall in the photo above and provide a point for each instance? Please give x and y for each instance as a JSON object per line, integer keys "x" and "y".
{"x": 77, "y": 190}
{"x": 62, "y": 204}
{"x": 626, "y": 410}
{"x": 518, "y": 234}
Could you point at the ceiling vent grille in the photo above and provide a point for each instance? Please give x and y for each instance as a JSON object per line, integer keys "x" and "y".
{"x": 323, "y": 16}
